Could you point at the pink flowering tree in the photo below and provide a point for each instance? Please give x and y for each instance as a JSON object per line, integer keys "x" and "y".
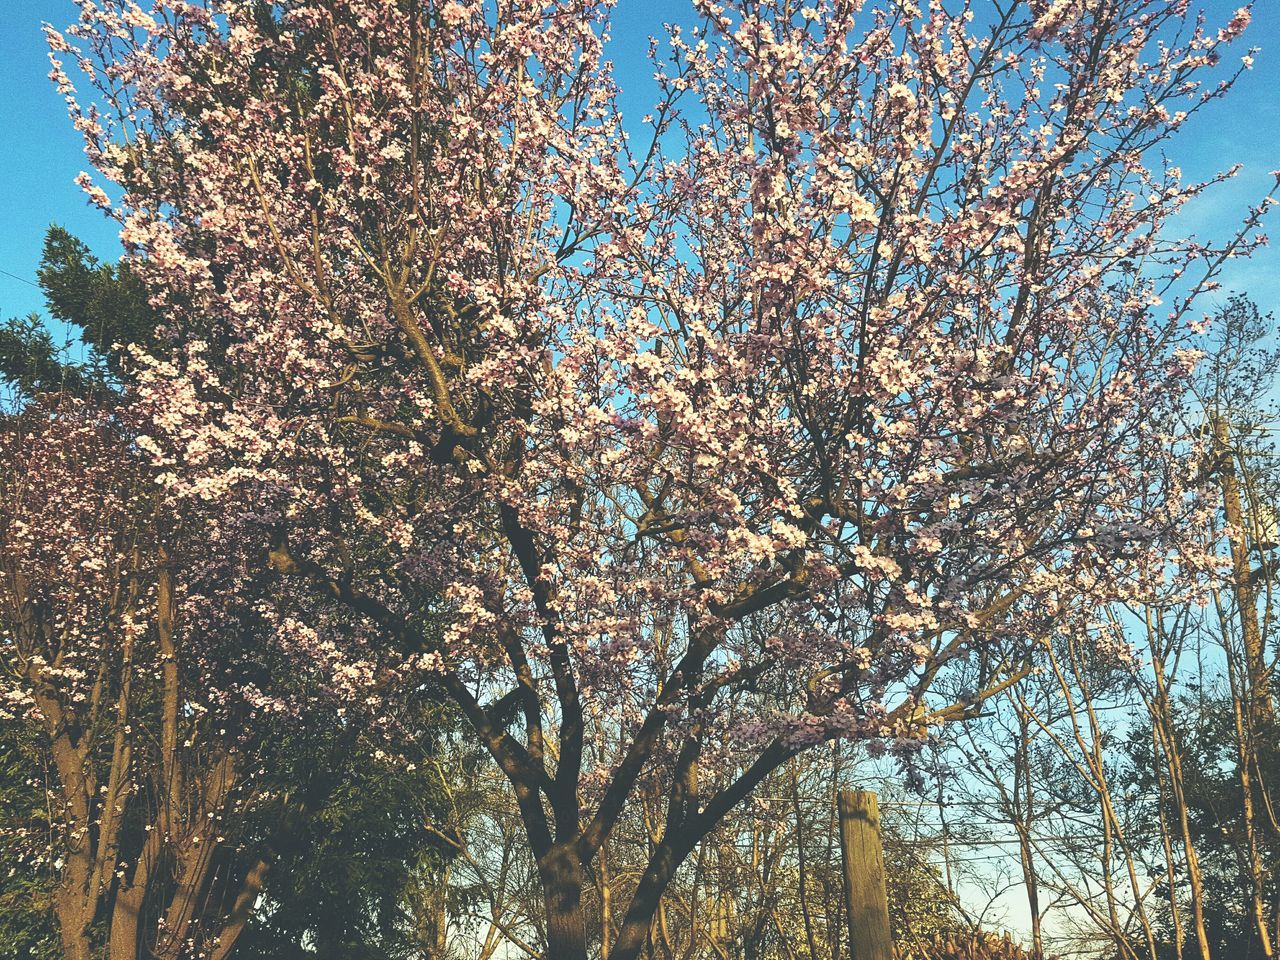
{"x": 136, "y": 651}
{"x": 143, "y": 732}
{"x": 667, "y": 461}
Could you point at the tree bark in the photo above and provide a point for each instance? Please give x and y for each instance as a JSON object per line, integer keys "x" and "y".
{"x": 72, "y": 926}
{"x": 1258, "y": 691}
{"x": 561, "y": 873}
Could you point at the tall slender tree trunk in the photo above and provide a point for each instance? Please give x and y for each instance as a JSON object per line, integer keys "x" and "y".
{"x": 1258, "y": 689}
{"x": 806, "y": 913}
{"x": 1246, "y": 758}
{"x": 1173, "y": 764}
{"x": 1166, "y": 839}
{"x": 1254, "y": 727}
{"x": 1025, "y": 786}
{"x": 606, "y": 900}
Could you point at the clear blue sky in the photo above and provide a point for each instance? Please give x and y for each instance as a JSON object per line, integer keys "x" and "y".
{"x": 43, "y": 153}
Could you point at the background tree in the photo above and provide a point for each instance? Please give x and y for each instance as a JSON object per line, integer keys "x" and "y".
{"x": 1131, "y": 770}
{"x": 92, "y": 651}
{"x": 361, "y": 844}
{"x": 103, "y": 310}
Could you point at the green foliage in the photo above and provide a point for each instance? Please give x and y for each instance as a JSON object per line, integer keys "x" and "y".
{"x": 27, "y": 927}
{"x": 354, "y": 847}
{"x": 33, "y": 363}
{"x": 104, "y": 308}
{"x": 106, "y": 304}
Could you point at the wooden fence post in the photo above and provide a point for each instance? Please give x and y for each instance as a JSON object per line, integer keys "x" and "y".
{"x": 865, "y": 897}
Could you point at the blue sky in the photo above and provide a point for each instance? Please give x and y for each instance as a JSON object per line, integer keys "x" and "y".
{"x": 44, "y": 154}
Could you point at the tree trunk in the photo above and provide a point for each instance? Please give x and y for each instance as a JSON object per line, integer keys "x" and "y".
{"x": 606, "y": 900}
{"x": 1173, "y": 761}
{"x": 1024, "y": 826}
{"x": 1258, "y": 690}
{"x": 72, "y": 925}
{"x": 123, "y": 939}
{"x": 562, "y": 881}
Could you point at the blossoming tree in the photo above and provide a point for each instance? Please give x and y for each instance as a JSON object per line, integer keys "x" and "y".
{"x": 693, "y": 454}
{"x": 144, "y": 732}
